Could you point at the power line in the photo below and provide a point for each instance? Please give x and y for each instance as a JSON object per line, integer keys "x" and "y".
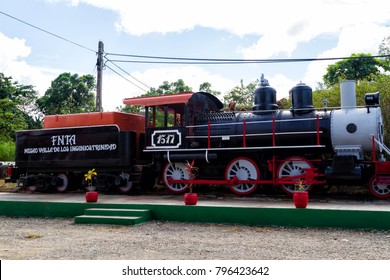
{"x": 125, "y": 78}
{"x": 147, "y": 59}
{"x": 48, "y": 32}
{"x": 187, "y": 60}
{"x": 127, "y": 73}
{"x": 79, "y": 45}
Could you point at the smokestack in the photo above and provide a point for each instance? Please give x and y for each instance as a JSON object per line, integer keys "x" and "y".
{"x": 348, "y": 94}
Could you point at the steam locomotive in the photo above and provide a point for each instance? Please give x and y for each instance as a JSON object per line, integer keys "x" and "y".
{"x": 239, "y": 149}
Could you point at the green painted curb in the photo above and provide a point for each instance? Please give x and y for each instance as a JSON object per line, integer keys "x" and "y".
{"x": 290, "y": 217}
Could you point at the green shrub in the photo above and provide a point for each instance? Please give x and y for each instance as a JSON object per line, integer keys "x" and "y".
{"x": 7, "y": 151}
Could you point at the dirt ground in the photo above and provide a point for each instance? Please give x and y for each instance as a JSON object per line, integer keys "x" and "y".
{"x": 57, "y": 239}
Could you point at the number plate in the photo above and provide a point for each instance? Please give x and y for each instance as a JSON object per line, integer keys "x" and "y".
{"x": 166, "y": 139}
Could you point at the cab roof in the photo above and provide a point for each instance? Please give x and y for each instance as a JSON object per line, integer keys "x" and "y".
{"x": 200, "y": 101}
{"x": 159, "y": 100}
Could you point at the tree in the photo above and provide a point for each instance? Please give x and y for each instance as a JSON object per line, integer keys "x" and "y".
{"x": 242, "y": 95}
{"x": 384, "y": 49}
{"x": 284, "y": 103}
{"x": 69, "y": 94}
{"x": 11, "y": 120}
{"x": 206, "y": 87}
{"x": 357, "y": 67}
{"x": 24, "y": 96}
{"x": 380, "y": 82}
{"x": 18, "y": 108}
{"x": 169, "y": 88}
{"x": 165, "y": 88}
{"x": 129, "y": 109}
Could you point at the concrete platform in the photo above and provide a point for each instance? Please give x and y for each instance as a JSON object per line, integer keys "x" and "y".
{"x": 253, "y": 211}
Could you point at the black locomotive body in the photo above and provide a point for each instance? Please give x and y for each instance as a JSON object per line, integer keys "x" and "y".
{"x": 295, "y": 127}
{"x": 52, "y": 158}
{"x": 228, "y": 129}
{"x": 66, "y": 149}
{"x": 265, "y": 146}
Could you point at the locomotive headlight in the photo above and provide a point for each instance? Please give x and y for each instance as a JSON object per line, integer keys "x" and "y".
{"x": 371, "y": 99}
{"x": 353, "y": 127}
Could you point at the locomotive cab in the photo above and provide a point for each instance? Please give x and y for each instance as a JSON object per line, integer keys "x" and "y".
{"x": 165, "y": 119}
{"x": 169, "y": 119}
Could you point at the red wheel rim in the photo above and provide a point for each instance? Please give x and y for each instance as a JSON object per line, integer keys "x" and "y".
{"x": 293, "y": 166}
{"x": 243, "y": 169}
{"x": 381, "y": 191}
{"x": 175, "y": 171}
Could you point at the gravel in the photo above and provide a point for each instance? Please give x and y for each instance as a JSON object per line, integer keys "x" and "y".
{"x": 56, "y": 239}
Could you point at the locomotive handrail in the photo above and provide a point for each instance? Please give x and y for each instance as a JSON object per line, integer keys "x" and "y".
{"x": 256, "y": 134}
{"x": 244, "y": 134}
{"x": 382, "y": 145}
{"x": 345, "y": 107}
{"x": 159, "y": 149}
{"x": 254, "y": 122}
{"x": 314, "y": 109}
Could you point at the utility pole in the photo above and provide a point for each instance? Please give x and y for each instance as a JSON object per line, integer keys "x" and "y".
{"x": 99, "y": 65}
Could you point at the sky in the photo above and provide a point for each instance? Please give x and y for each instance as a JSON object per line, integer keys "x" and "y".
{"x": 245, "y": 29}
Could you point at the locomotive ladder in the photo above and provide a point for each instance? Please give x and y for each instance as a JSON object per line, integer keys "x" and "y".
{"x": 382, "y": 168}
{"x": 382, "y": 145}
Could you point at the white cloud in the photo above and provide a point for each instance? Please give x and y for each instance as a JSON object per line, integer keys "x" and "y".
{"x": 282, "y": 85}
{"x": 13, "y": 55}
{"x": 361, "y": 38}
{"x": 281, "y": 25}
{"x": 351, "y": 18}
{"x": 14, "y": 52}
{"x": 12, "y": 49}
